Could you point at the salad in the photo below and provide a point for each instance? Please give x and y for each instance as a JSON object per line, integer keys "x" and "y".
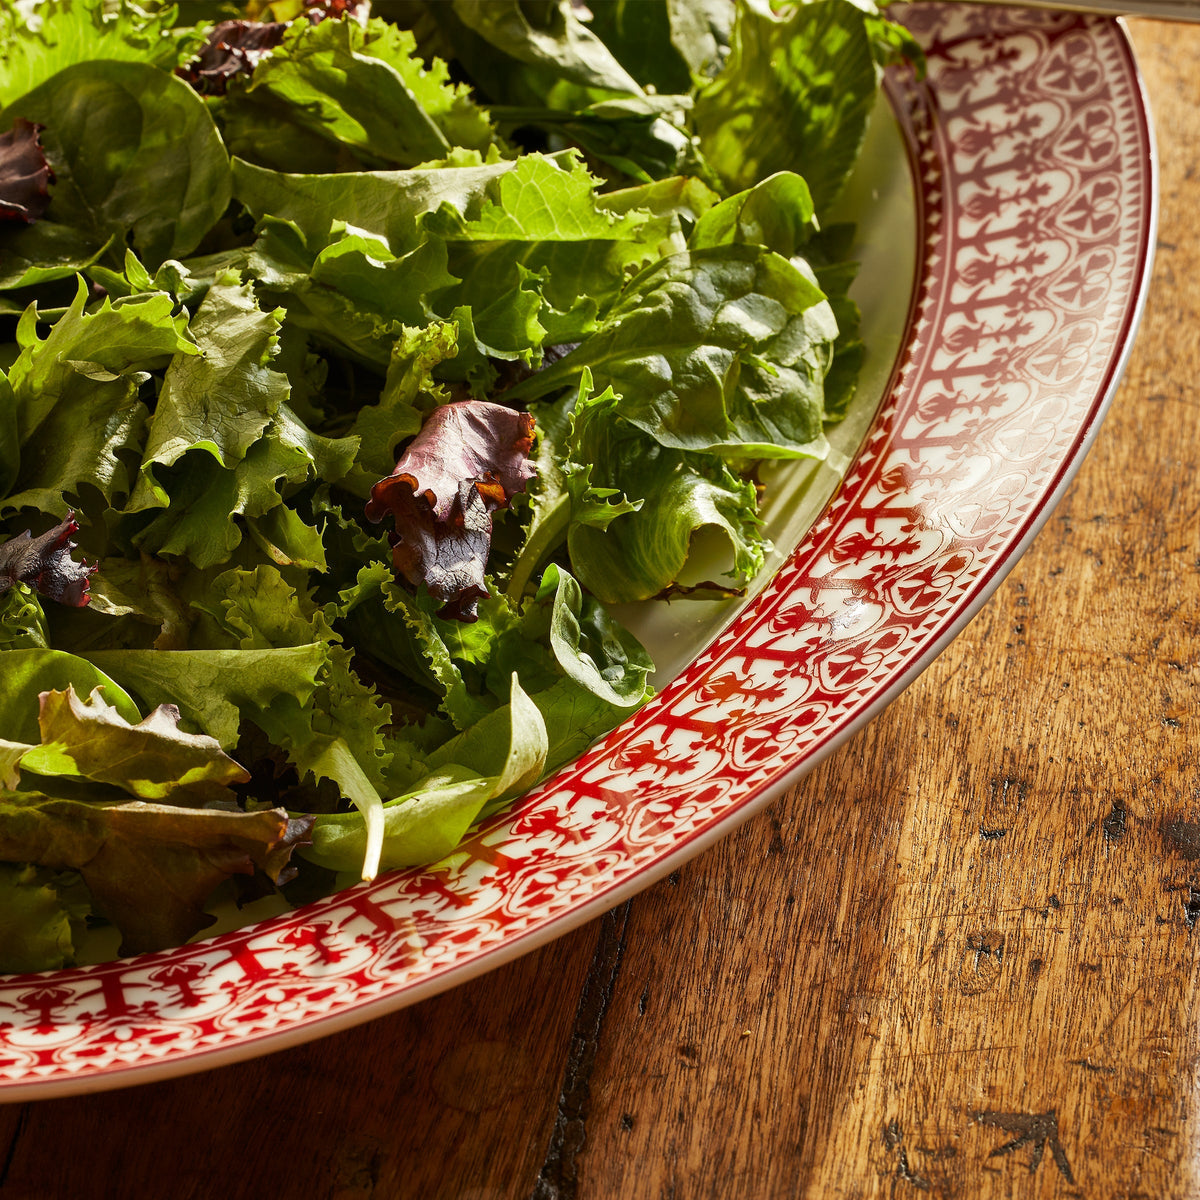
{"x": 355, "y": 362}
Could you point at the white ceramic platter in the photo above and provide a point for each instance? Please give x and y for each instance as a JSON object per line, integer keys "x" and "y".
{"x": 1031, "y": 169}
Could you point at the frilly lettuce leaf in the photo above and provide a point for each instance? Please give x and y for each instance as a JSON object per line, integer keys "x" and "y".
{"x": 409, "y": 393}
{"x": 22, "y": 621}
{"x": 383, "y": 203}
{"x": 66, "y": 32}
{"x": 339, "y": 91}
{"x": 205, "y": 466}
{"x": 237, "y": 342}
{"x": 76, "y": 410}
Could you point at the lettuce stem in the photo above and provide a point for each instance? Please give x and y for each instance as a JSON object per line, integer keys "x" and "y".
{"x": 337, "y": 762}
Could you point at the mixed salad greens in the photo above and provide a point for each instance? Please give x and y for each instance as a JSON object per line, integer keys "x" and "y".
{"x": 355, "y": 361}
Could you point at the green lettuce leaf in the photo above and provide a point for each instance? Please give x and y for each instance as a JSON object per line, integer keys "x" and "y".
{"x": 383, "y": 203}
{"x": 29, "y": 671}
{"x": 237, "y": 343}
{"x": 426, "y": 824}
{"x": 135, "y": 153}
{"x": 591, "y": 647}
{"x": 340, "y": 88}
{"x": 67, "y": 32}
{"x": 213, "y": 688}
{"x": 152, "y": 760}
{"x": 149, "y": 867}
{"x": 795, "y": 94}
{"x": 722, "y": 349}
{"x": 639, "y": 554}
{"x": 39, "y": 919}
{"x": 547, "y": 36}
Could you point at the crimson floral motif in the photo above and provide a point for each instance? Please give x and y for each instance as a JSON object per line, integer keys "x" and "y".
{"x": 1032, "y": 166}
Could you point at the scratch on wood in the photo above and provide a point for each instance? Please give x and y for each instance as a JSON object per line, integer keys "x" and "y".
{"x": 776, "y": 845}
{"x": 22, "y": 1118}
{"x": 1032, "y": 1129}
{"x": 893, "y": 1139}
{"x": 559, "y": 1176}
{"x": 1088, "y": 1065}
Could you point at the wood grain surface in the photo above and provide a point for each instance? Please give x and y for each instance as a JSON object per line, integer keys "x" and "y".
{"x": 958, "y": 960}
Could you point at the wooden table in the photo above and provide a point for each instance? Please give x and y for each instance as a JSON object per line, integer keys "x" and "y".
{"x": 957, "y": 960}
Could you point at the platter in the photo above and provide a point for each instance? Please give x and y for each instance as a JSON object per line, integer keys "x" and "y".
{"x": 1032, "y": 172}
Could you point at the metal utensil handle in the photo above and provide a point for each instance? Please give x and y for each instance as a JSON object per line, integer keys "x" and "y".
{"x": 1162, "y": 10}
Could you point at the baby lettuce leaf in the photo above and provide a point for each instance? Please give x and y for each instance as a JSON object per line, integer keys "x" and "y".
{"x": 542, "y": 231}
{"x": 237, "y": 342}
{"x": 722, "y": 349}
{"x": 135, "y": 154}
{"x": 205, "y": 466}
{"x": 22, "y": 619}
{"x": 67, "y": 32}
{"x": 469, "y": 460}
{"x": 795, "y": 94}
{"x": 339, "y": 93}
{"x": 641, "y": 553}
{"x": 547, "y": 37}
{"x": 29, "y": 671}
{"x": 152, "y": 760}
{"x": 639, "y": 36}
{"x": 427, "y": 823}
{"x": 383, "y": 203}
{"x": 213, "y": 688}
{"x": 91, "y": 347}
{"x": 149, "y": 867}
{"x": 592, "y": 648}
{"x": 777, "y": 213}
{"x": 45, "y": 563}
{"x": 701, "y": 31}
{"x": 37, "y": 924}
{"x": 77, "y": 402}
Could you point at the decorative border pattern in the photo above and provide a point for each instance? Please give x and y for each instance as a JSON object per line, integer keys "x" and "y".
{"x": 1033, "y": 165}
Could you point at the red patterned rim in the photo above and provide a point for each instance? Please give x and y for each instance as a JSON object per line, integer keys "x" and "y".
{"x": 1035, "y": 176}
